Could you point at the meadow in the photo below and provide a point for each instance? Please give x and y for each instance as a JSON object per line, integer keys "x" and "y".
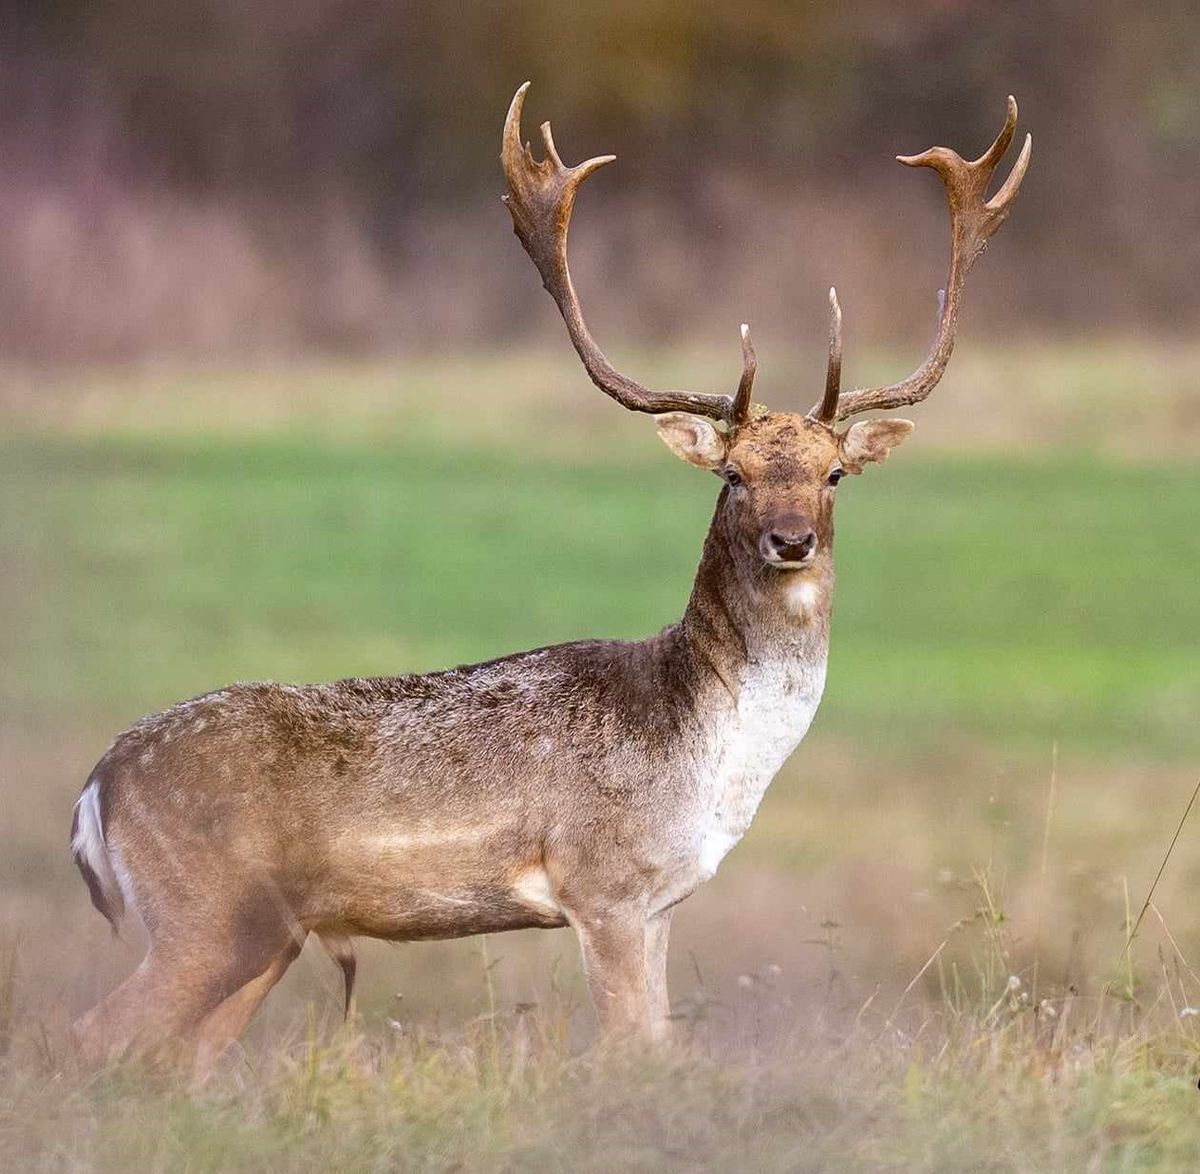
{"x": 915, "y": 959}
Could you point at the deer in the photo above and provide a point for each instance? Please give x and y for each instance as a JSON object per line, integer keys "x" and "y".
{"x": 593, "y": 785}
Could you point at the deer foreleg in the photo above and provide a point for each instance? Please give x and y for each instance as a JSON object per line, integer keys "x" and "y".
{"x": 613, "y": 945}
{"x": 658, "y": 930}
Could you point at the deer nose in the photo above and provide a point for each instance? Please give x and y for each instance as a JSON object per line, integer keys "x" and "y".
{"x": 789, "y": 540}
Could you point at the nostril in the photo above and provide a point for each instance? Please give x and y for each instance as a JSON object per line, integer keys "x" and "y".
{"x": 791, "y": 545}
{"x": 789, "y": 538}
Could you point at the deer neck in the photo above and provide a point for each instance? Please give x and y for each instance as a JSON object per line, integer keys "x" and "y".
{"x": 757, "y": 641}
{"x": 746, "y": 620}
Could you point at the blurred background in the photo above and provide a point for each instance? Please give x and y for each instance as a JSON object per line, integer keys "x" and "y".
{"x": 281, "y": 397}
{"x": 255, "y": 178}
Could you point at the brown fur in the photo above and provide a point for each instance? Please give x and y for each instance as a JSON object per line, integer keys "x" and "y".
{"x": 416, "y": 806}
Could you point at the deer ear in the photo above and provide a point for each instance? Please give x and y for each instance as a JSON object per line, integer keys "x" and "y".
{"x": 692, "y": 439}
{"x": 871, "y": 440}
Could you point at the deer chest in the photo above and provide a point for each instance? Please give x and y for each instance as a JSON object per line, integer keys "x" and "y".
{"x": 775, "y": 707}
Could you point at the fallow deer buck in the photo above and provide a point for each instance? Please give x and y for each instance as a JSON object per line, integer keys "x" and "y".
{"x": 594, "y": 784}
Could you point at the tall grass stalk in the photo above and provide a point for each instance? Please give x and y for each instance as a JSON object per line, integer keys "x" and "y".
{"x": 1041, "y": 900}
{"x": 1163, "y": 866}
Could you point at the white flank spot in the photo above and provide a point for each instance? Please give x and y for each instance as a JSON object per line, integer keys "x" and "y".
{"x": 398, "y": 843}
{"x": 445, "y": 898}
{"x": 533, "y": 888}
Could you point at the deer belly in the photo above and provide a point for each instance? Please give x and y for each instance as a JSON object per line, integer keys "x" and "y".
{"x": 406, "y": 887}
{"x": 419, "y": 915}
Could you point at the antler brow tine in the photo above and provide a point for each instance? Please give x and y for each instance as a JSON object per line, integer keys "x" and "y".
{"x": 541, "y": 196}
{"x": 973, "y": 220}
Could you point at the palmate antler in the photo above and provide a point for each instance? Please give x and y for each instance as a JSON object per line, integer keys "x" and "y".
{"x": 540, "y": 197}
{"x": 972, "y": 221}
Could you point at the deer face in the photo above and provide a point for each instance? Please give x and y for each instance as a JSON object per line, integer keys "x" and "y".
{"x": 781, "y": 472}
{"x": 780, "y": 469}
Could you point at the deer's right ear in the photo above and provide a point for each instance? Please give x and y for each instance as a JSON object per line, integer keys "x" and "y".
{"x": 692, "y": 439}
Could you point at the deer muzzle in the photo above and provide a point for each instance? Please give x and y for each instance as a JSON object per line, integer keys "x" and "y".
{"x": 788, "y": 541}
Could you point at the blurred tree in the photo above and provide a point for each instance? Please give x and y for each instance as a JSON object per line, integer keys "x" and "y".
{"x": 387, "y": 111}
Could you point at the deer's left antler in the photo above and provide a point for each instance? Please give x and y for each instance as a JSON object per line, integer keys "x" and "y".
{"x": 973, "y": 219}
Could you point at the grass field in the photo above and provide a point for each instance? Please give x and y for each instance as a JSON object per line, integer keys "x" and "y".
{"x": 1016, "y": 623}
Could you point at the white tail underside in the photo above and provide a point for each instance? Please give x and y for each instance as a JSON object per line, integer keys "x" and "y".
{"x": 90, "y": 846}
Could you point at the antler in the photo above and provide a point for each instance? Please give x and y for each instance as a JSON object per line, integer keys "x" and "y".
{"x": 972, "y": 222}
{"x": 540, "y": 197}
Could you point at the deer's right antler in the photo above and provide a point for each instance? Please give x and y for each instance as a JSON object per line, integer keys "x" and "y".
{"x": 540, "y": 197}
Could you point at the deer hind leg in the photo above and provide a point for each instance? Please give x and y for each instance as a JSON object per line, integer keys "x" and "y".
{"x": 222, "y": 1025}
{"x": 182, "y": 980}
{"x": 170, "y": 991}
{"x": 613, "y": 945}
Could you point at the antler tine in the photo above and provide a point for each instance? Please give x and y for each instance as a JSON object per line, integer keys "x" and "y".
{"x": 973, "y": 220}
{"x": 741, "y": 402}
{"x": 826, "y": 410}
{"x": 541, "y": 196}
{"x": 992, "y": 156}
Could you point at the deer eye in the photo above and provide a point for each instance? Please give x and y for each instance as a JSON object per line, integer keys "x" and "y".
{"x": 835, "y": 475}
{"x": 733, "y": 478}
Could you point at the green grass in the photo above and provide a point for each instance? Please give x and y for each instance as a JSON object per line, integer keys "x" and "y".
{"x": 1019, "y": 601}
{"x": 161, "y": 535}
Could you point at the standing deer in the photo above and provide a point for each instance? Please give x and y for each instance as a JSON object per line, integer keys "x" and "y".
{"x": 594, "y": 784}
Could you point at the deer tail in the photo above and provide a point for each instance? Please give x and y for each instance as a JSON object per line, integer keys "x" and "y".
{"x": 93, "y": 855}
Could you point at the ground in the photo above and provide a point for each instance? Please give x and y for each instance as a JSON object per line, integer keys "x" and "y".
{"x": 915, "y": 960}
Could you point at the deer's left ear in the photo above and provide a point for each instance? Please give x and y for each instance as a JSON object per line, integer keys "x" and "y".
{"x": 692, "y": 439}
{"x": 871, "y": 440}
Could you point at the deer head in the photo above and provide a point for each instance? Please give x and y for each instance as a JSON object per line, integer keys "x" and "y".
{"x": 780, "y": 469}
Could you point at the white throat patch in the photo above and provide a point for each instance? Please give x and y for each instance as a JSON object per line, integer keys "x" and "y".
{"x": 776, "y": 704}
{"x": 804, "y": 597}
